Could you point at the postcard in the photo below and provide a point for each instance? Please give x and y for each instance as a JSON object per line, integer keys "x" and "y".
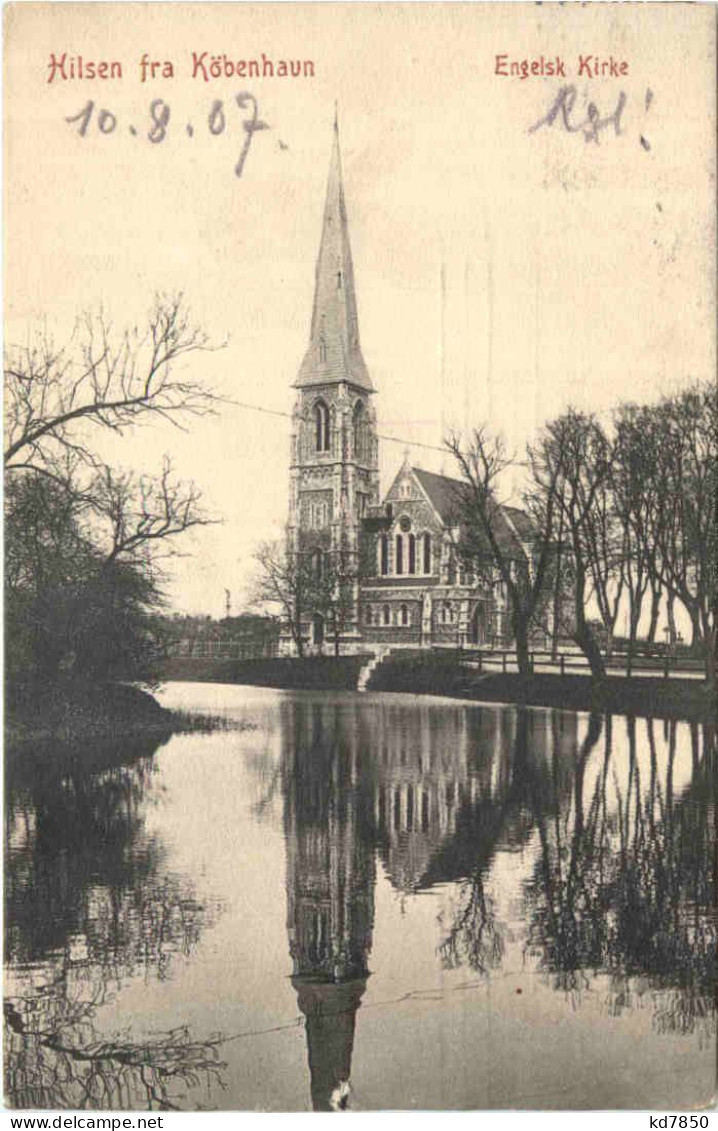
{"x": 360, "y": 477}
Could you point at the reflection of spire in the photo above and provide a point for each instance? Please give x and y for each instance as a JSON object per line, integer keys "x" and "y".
{"x": 330, "y": 885}
{"x": 330, "y": 1012}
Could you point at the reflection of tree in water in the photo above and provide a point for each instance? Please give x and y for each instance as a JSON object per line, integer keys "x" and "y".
{"x": 63, "y": 1064}
{"x": 542, "y": 744}
{"x": 88, "y": 905}
{"x": 476, "y": 938}
{"x": 623, "y": 883}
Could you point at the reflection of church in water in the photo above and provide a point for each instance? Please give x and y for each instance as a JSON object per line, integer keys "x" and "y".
{"x": 432, "y": 790}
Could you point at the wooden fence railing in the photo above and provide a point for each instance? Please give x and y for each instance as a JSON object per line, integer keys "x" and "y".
{"x": 666, "y": 665}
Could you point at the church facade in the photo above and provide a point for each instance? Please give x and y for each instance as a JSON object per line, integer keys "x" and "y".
{"x": 401, "y": 578}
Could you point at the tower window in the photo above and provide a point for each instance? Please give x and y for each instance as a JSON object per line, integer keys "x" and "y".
{"x": 383, "y": 555}
{"x": 386, "y": 614}
{"x": 359, "y": 431}
{"x": 427, "y": 553}
{"x": 322, "y": 350}
{"x": 404, "y": 615}
{"x": 412, "y": 554}
{"x": 321, "y": 426}
{"x": 399, "y": 554}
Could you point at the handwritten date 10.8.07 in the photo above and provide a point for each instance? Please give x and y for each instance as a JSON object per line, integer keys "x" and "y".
{"x": 160, "y": 114}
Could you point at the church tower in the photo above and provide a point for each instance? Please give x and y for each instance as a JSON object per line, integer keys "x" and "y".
{"x": 334, "y": 476}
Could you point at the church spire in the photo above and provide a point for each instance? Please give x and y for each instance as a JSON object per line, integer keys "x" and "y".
{"x": 334, "y": 353}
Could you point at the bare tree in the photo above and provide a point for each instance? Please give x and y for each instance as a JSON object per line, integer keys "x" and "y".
{"x": 331, "y": 587}
{"x": 570, "y": 468}
{"x": 634, "y": 487}
{"x": 283, "y": 580}
{"x": 114, "y": 526}
{"x": 481, "y": 463}
{"x": 103, "y": 379}
{"x": 140, "y": 516}
{"x": 687, "y": 486}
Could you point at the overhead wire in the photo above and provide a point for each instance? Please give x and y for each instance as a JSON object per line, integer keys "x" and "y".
{"x": 381, "y": 436}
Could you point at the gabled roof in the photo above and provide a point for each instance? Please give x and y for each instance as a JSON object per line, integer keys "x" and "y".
{"x": 523, "y": 523}
{"x": 334, "y": 353}
{"x": 442, "y": 491}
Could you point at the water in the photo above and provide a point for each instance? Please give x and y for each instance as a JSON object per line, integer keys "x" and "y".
{"x": 371, "y": 901}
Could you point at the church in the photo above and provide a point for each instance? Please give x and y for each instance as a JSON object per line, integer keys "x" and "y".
{"x": 404, "y": 585}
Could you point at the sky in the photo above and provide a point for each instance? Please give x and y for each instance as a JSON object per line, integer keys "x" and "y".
{"x": 575, "y": 271}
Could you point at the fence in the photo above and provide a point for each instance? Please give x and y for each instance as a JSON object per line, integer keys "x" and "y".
{"x": 664, "y": 665}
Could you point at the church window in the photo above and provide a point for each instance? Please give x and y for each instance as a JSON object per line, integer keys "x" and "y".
{"x": 383, "y": 555}
{"x": 427, "y": 553}
{"x": 317, "y": 564}
{"x": 359, "y": 431}
{"x": 399, "y": 553}
{"x": 361, "y": 504}
{"x": 386, "y": 614}
{"x": 447, "y": 613}
{"x": 404, "y": 615}
{"x": 322, "y": 350}
{"x": 321, "y": 426}
{"x": 412, "y": 554}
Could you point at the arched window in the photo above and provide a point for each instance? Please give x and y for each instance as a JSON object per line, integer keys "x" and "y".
{"x": 359, "y": 431}
{"x": 412, "y": 554}
{"x": 322, "y": 350}
{"x": 386, "y": 614}
{"x": 383, "y": 555}
{"x": 427, "y": 553}
{"x": 321, "y": 426}
{"x": 399, "y": 565}
{"x": 447, "y": 613}
{"x": 404, "y": 615}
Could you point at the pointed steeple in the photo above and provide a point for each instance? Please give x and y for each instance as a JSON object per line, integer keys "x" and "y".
{"x": 334, "y": 353}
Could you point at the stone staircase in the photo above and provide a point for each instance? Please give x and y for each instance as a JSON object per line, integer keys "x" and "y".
{"x": 381, "y": 653}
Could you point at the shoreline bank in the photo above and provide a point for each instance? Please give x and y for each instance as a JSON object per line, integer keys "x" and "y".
{"x": 84, "y": 713}
{"x": 433, "y": 674}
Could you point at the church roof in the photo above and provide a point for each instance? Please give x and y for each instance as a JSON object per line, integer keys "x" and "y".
{"x": 334, "y": 353}
{"x": 510, "y": 521}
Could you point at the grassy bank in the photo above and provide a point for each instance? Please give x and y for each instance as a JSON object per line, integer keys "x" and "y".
{"x": 313, "y": 673}
{"x": 432, "y": 674}
{"x": 74, "y": 711}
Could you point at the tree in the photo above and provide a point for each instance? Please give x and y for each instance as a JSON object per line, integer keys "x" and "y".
{"x": 481, "y": 463}
{"x": 70, "y": 607}
{"x": 331, "y": 590}
{"x": 570, "y": 466}
{"x": 636, "y": 503}
{"x": 685, "y": 531}
{"x": 84, "y": 540}
{"x": 54, "y": 396}
{"x": 303, "y": 584}
{"x": 283, "y": 580}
